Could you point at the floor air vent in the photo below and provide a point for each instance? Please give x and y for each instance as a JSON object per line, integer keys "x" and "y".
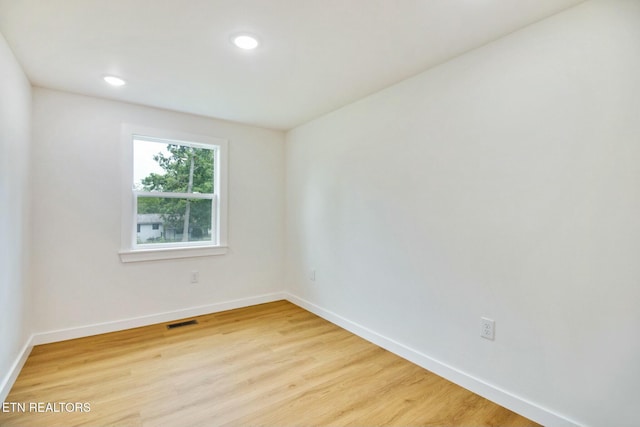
{"x": 180, "y": 324}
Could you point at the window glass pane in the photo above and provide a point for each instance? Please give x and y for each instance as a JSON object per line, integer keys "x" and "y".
{"x": 173, "y": 168}
{"x": 175, "y": 220}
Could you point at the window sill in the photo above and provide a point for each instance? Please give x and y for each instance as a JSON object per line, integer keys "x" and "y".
{"x": 141, "y": 255}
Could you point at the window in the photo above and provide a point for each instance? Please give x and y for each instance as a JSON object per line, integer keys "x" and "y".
{"x": 174, "y": 201}
{"x": 174, "y": 183}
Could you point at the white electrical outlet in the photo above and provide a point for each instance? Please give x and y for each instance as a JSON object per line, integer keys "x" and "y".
{"x": 195, "y": 276}
{"x": 312, "y": 275}
{"x": 487, "y": 328}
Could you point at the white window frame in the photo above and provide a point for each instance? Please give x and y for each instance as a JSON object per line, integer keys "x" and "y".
{"x": 131, "y": 251}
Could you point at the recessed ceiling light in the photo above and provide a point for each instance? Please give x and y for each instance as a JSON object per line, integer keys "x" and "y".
{"x": 114, "y": 81}
{"x": 245, "y": 41}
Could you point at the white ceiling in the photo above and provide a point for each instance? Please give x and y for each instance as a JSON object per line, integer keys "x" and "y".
{"x": 316, "y": 55}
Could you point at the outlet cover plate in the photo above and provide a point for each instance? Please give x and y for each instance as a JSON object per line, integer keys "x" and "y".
{"x": 487, "y": 328}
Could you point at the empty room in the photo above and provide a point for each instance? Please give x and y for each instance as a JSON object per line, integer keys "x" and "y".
{"x": 320, "y": 213}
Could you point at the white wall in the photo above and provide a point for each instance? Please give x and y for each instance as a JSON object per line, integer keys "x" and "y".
{"x": 15, "y": 141}
{"x": 504, "y": 183}
{"x": 78, "y": 278}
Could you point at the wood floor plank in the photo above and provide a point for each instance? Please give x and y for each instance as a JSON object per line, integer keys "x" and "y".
{"x": 271, "y": 365}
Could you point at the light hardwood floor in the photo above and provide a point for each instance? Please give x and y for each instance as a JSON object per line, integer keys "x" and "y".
{"x": 273, "y": 364}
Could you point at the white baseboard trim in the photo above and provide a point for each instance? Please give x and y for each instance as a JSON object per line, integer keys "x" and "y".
{"x": 119, "y": 325}
{"x": 502, "y": 397}
{"x": 14, "y": 371}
